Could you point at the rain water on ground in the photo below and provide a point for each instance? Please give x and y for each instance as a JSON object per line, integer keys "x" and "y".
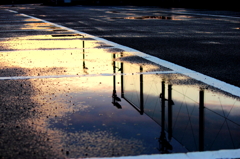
{"x": 67, "y": 95}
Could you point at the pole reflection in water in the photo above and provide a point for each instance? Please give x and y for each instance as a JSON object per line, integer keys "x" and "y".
{"x": 115, "y": 98}
{"x": 164, "y": 145}
{"x": 201, "y": 120}
{"x": 170, "y": 104}
{"x": 141, "y": 91}
{"x": 84, "y": 62}
{"x": 190, "y": 115}
{"x": 74, "y": 116}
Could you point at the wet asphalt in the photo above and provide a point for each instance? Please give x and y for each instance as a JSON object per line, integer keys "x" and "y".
{"x": 58, "y": 88}
{"x": 201, "y": 40}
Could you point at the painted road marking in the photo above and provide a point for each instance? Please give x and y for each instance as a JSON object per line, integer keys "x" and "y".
{"x": 86, "y": 75}
{"x": 182, "y": 70}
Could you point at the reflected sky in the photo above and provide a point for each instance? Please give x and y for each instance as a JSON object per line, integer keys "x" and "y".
{"x": 217, "y": 127}
{"x": 48, "y": 56}
{"x": 76, "y": 118}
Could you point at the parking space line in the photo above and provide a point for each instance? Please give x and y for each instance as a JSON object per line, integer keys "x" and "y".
{"x": 56, "y": 49}
{"x": 85, "y": 75}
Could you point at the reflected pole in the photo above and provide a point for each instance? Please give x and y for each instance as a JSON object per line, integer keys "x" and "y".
{"x": 201, "y": 120}
{"x": 115, "y": 98}
{"x": 84, "y": 65}
{"x": 83, "y": 56}
{"x": 170, "y": 103}
{"x": 114, "y": 71}
{"x": 163, "y": 105}
{"x": 165, "y": 146}
{"x": 162, "y": 139}
{"x": 122, "y": 90}
{"x": 141, "y": 91}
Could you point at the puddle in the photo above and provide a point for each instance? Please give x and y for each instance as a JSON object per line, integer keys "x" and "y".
{"x": 38, "y": 44}
{"x": 156, "y": 17}
{"x": 32, "y": 20}
{"x": 59, "y": 30}
{"x": 149, "y": 17}
{"x": 66, "y": 35}
{"x": 41, "y": 24}
{"x": 124, "y": 112}
{"x": 73, "y": 62}
{"x": 82, "y": 117}
{"x": 200, "y": 119}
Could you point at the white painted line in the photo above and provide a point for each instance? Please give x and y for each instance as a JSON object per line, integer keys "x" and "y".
{"x": 193, "y": 74}
{"x": 11, "y": 11}
{"x": 24, "y": 30}
{"x": 53, "y": 49}
{"x": 221, "y": 154}
{"x": 84, "y": 75}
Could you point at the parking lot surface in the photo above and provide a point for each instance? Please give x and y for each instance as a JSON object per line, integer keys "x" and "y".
{"x": 69, "y": 94}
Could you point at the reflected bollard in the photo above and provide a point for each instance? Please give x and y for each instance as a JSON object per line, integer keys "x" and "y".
{"x": 141, "y": 92}
{"x": 201, "y": 120}
{"x": 170, "y": 103}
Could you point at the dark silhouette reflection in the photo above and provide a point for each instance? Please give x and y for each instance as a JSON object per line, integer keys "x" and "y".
{"x": 84, "y": 63}
{"x": 164, "y": 145}
{"x": 115, "y": 98}
{"x": 141, "y": 91}
{"x": 201, "y": 120}
{"x": 189, "y": 121}
{"x": 170, "y": 104}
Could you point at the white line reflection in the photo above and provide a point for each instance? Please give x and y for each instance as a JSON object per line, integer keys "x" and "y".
{"x": 84, "y": 75}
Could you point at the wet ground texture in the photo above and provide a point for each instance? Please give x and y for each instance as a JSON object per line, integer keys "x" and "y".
{"x": 65, "y": 94}
{"x": 201, "y": 40}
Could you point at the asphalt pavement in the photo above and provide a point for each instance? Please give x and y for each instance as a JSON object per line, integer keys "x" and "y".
{"x": 61, "y": 86}
{"x": 202, "y": 40}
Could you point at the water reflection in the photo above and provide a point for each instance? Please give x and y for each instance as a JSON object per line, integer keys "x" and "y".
{"x": 159, "y": 17}
{"x": 95, "y": 116}
{"x": 77, "y": 117}
{"x": 199, "y": 117}
{"x": 45, "y": 60}
{"x": 56, "y": 43}
{"x": 115, "y": 98}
